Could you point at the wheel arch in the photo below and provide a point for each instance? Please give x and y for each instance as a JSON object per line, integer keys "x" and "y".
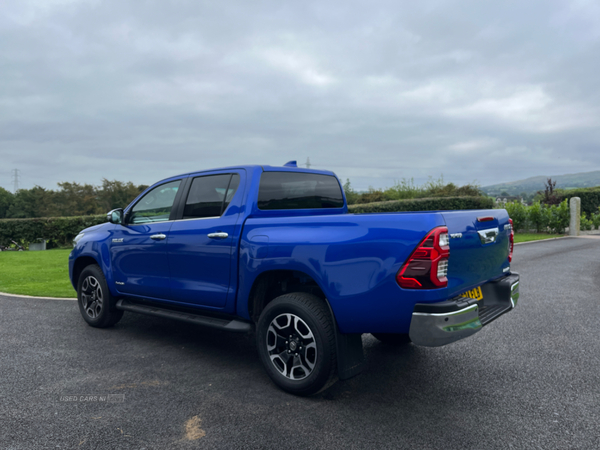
{"x": 81, "y": 263}
{"x": 267, "y": 287}
{"x": 273, "y": 283}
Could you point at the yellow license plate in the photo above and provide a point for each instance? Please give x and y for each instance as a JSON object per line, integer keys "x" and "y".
{"x": 474, "y": 293}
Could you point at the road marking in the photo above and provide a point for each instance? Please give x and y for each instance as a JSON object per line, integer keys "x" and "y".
{"x": 585, "y": 236}
{"x": 31, "y": 296}
{"x": 543, "y": 240}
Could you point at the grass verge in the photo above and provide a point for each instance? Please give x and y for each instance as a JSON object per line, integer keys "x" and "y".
{"x": 43, "y": 274}
{"x": 526, "y": 237}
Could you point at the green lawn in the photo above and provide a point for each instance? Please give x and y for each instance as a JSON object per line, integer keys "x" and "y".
{"x": 526, "y": 237}
{"x": 44, "y": 274}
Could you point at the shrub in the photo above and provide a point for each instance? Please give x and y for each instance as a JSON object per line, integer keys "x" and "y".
{"x": 596, "y": 220}
{"x": 559, "y": 217}
{"x": 538, "y": 217}
{"x": 351, "y": 194}
{"x": 424, "y": 204}
{"x": 517, "y": 211}
{"x": 404, "y": 189}
{"x": 585, "y": 223}
{"x": 407, "y": 189}
{"x": 58, "y": 231}
{"x": 370, "y": 196}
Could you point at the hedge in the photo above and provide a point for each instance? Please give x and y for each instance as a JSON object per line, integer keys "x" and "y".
{"x": 58, "y": 231}
{"x": 424, "y": 204}
{"x": 590, "y": 199}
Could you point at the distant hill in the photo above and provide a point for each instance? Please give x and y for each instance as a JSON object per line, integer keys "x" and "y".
{"x": 534, "y": 184}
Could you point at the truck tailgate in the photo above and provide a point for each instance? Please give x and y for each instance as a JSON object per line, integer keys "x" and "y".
{"x": 479, "y": 242}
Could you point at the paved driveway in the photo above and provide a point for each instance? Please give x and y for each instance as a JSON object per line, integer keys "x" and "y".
{"x": 529, "y": 380}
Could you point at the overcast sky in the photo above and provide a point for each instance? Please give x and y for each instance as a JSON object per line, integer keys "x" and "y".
{"x": 375, "y": 91}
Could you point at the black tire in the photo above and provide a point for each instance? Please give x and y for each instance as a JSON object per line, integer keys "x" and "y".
{"x": 311, "y": 348}
{"x": 393, "y": 338}
{"x": 96, "y": 304}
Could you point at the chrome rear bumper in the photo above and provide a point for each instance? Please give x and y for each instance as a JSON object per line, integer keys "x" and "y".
{"x": 437, "y": 324}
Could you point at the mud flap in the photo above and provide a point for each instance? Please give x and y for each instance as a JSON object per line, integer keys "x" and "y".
{"x": 350, "y": 356}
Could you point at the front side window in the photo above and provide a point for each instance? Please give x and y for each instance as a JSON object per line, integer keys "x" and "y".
{"x": 296, "y": 190}
{"x": 210, "y": 195}
{"x": 156, "y": 205}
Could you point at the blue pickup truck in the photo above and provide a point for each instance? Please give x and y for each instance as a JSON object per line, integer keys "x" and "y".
{"x": 274, "y": 251}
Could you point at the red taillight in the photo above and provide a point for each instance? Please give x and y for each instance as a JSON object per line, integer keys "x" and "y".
{"x": 511, "y": 241}
{"x": 427, "y": 266}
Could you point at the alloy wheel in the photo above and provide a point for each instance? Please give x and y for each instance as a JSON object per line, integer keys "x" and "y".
{"x": 91, "y": 297}
{"x": 291, "y": 346}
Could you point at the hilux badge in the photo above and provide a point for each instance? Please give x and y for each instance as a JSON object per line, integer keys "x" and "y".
{"x": 456, "y": 235}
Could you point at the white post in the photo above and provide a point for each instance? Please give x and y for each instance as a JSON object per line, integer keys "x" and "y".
{"x": 575, "y": 216}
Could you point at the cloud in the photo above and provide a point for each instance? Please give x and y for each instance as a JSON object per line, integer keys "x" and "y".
{"x": 375, "y": 92}
{"x": 474, "y": 145}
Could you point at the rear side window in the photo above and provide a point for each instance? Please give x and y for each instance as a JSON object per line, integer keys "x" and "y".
{"x": 209, "y": 196}
{"x": 295, "y": 190}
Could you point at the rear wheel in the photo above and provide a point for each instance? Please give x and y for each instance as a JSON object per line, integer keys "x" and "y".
{"x": 96, "y": 304}
{"x": 393, "y": 338}
{"x": 295, "y": 338}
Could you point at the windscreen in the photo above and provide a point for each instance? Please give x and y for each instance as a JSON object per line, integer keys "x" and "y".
{"x": 296, "y": 190}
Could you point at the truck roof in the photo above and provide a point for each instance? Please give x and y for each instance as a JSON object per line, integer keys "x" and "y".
{"x": 265, "y": 168}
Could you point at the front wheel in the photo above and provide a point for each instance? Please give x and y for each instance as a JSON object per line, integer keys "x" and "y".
{"x": 96, "y": 304}
{"x": 295, "y": 336}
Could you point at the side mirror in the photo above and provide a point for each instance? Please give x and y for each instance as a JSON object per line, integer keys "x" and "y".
{"x": 115, "y": 216}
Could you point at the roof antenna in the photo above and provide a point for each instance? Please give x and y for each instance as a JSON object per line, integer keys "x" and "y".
{"x": 291, "y": 164}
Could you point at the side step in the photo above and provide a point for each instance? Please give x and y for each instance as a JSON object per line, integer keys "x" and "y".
{"x": 234, "y": 325}
{"x": 489, "y": 313}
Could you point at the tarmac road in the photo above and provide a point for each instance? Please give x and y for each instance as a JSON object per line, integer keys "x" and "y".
{"x": 531, "y": 379}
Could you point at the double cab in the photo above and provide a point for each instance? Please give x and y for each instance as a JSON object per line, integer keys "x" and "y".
{"x": 274, "y": 251}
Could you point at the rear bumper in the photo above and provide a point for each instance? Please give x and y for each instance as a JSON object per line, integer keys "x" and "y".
{"x": 437, "y": 324}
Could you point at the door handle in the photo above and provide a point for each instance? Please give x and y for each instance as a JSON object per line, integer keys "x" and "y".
{"x": 488, "y": 236}
{"x": 158, "y": 237}
{"x": 219, "y": 235}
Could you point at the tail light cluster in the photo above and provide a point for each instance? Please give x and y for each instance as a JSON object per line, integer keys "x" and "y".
{"x": 511, "y": 241}
{"x": 427, "y": 266}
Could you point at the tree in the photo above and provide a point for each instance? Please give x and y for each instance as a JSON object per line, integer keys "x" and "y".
{"x": 6, "y": 199}
{"x": 34, "y": 202}
{"x": 116, "y": 194}
{"x": 550, "y": 196}
{"x": 74, "y": 199}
